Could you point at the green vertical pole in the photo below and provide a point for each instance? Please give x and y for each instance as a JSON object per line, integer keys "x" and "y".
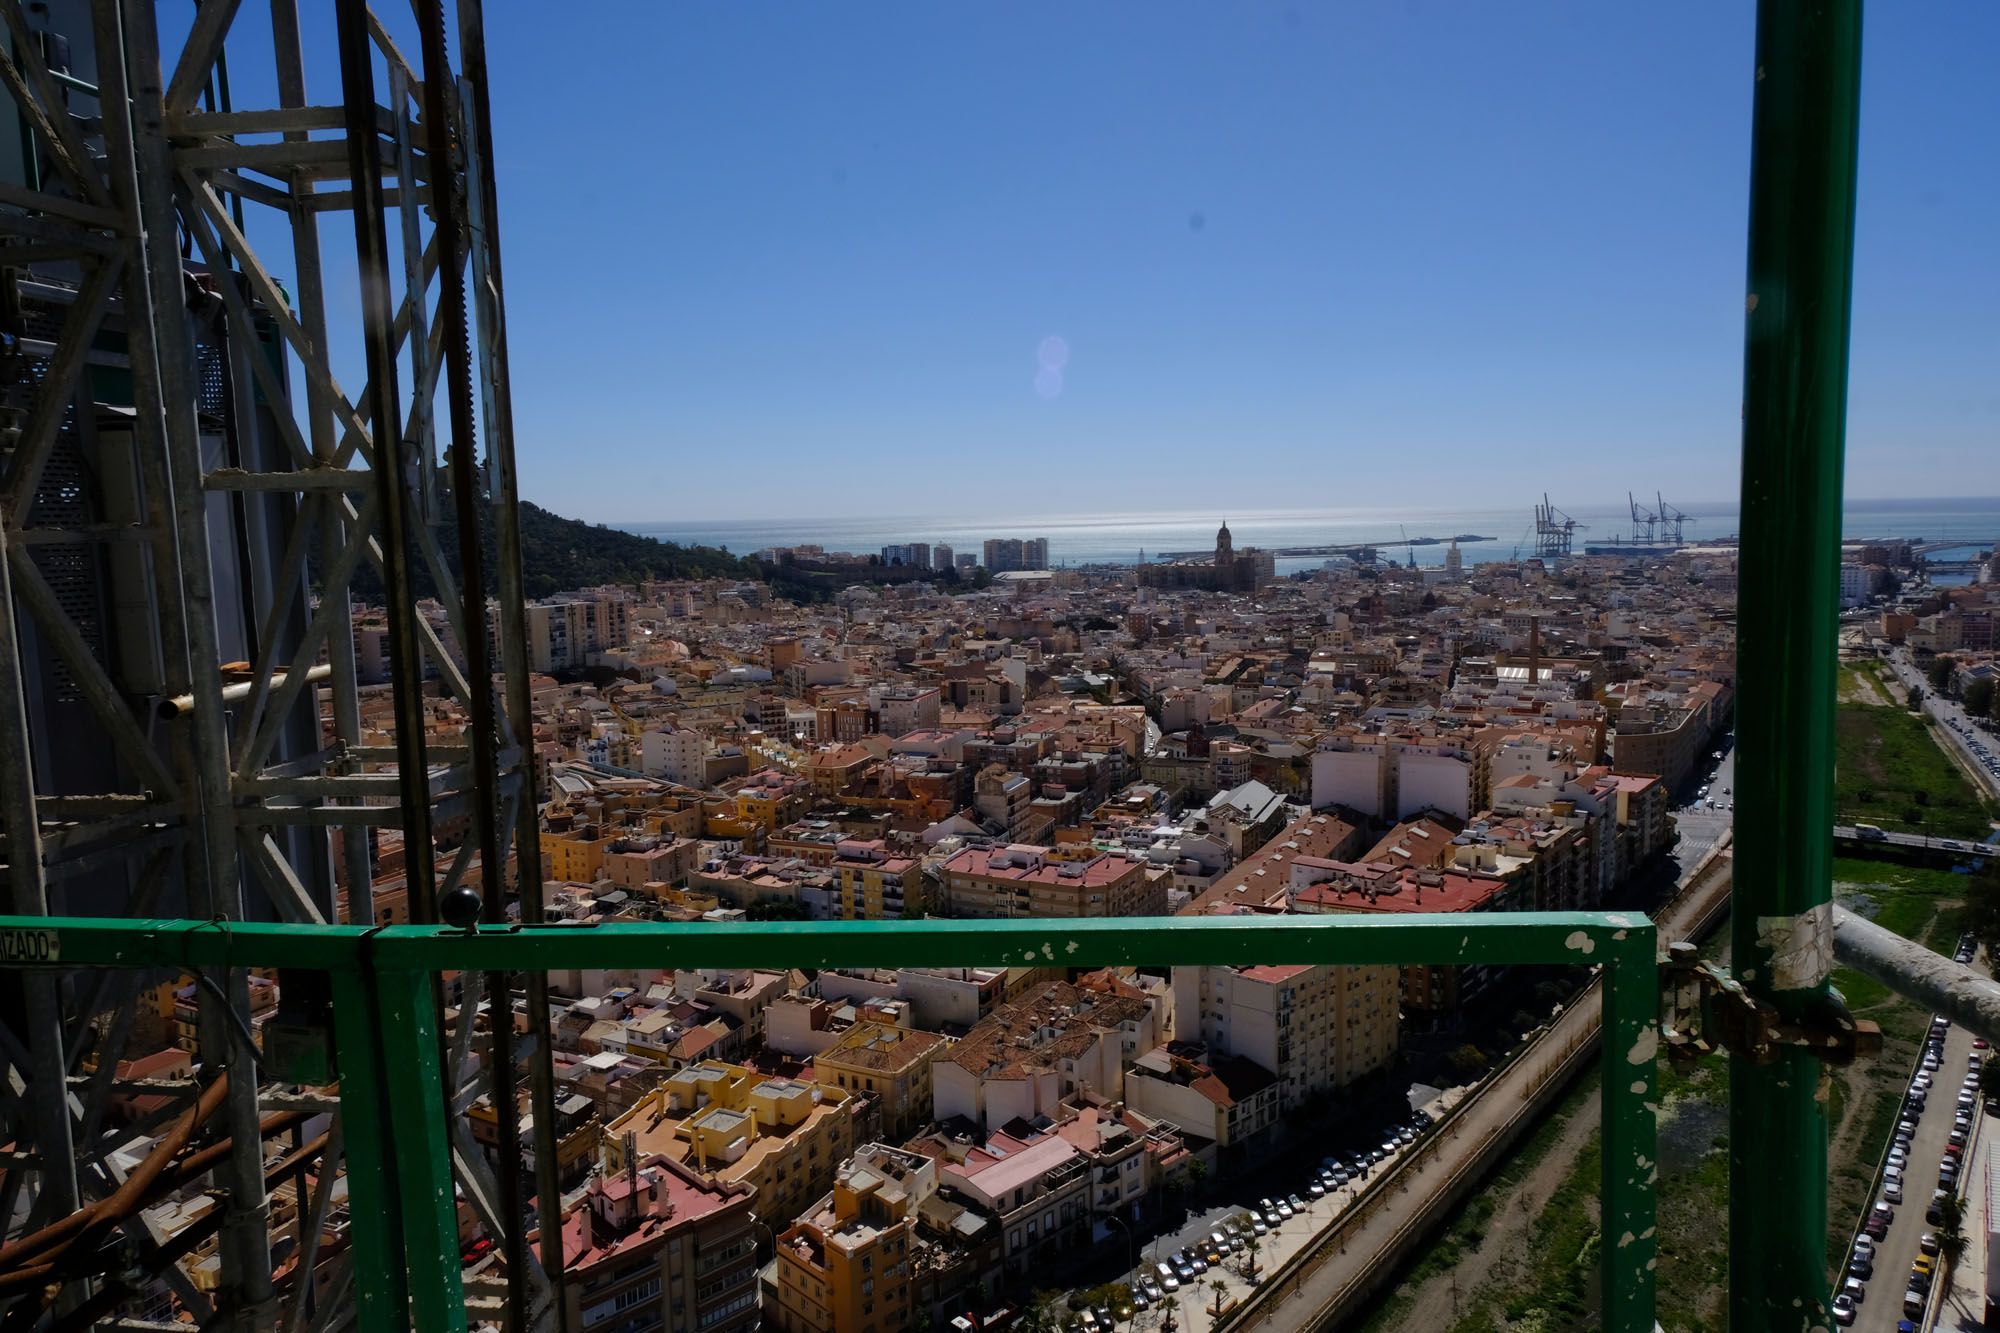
{"x": 381, "y": 1290}
{"x": 399, "y": 1185}
{"x": 1630, "y": 1158}
{"x": 414, "y": 1102}
{"x": 1802, "y": 163}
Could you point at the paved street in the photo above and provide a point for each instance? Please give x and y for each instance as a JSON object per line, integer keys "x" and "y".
{"x": 1701, "y": 827}
{"x": 1275, "y": 1180}
{"x": 1882, "y": 1307}
{"x": 1957, "y": 846}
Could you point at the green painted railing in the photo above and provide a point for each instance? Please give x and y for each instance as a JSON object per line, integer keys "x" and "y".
{"x": 392, "y": 1097}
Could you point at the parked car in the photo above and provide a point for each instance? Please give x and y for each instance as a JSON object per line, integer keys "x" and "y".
{"x": 1843, "y": 1310}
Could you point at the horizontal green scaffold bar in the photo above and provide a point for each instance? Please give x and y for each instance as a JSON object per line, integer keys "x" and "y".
{"x": 1350, "y": 938}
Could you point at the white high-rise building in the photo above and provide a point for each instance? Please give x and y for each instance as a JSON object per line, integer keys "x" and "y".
{"x": 1317, "y": 1027}
{"x": 678, "y": 754}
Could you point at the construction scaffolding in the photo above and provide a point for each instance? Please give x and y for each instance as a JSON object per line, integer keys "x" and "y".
{"x": 191, "y": 505}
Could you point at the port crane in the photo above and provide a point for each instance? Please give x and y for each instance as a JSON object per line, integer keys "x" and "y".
{"x": 1671, "y": 519}
{"x": 1645, "y": 522}
{"x": 1554, "y": 530}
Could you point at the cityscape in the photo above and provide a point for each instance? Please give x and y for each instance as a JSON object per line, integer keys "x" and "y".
{"x": 1242, "y": 682}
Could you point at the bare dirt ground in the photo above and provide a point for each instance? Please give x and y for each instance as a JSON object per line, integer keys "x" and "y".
{"x": 1500, "y": 1254}
{"x": 1860, "y": 685}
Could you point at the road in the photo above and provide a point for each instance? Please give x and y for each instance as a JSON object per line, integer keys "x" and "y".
{"x": 1882, "y": 1307}
{"x": 1944, "y": 712}
{"x": 1959, "y": 846}
{"x": 1701, "y": 828}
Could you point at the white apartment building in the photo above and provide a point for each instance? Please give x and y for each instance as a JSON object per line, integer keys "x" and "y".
{"x": 1393, "y": 777}
{"x": 1317, "y": 1028}
{"x": 678, "y": 754}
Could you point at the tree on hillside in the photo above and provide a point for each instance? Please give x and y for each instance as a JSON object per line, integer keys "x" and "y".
{"x": 1942, "y": 669}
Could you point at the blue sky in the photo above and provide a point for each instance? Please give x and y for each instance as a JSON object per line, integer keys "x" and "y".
{"x": 787, "y": 259}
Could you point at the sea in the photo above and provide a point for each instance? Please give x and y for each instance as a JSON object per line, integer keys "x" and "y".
{"x": 1125, "y": 538}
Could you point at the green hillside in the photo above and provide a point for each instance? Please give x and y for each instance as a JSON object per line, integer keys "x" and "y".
{"x": 558, "y": 554}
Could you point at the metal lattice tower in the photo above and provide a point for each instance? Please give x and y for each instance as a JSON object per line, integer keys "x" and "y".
{"x": 191, "y": 505}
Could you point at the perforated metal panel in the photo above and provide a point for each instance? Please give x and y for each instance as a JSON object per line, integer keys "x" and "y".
{"x": 64, "y": 499}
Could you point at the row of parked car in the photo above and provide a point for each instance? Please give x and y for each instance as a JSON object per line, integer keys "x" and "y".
{"x": 1978, "y": 747}
{"x": 1861, "y": 1262}
{"x": 1189, "y": 1262}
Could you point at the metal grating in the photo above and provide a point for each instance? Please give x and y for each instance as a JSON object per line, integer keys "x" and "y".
{"x": 63, "y": 500}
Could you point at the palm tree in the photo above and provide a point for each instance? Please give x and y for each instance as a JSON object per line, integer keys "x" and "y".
{"x": 1951, "y": 1248}
{"x": 1951, "y": 1213}
{"x": 1250, "y": 1257}
{"x": 1950, "y": 1235}
{"x": 1221, "y": 1289}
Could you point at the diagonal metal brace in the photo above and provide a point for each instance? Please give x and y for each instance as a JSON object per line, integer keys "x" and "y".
{"x": 1705, "y": 1010}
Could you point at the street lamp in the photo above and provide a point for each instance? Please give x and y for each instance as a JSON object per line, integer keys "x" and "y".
{"x": 1131, "y": 1242}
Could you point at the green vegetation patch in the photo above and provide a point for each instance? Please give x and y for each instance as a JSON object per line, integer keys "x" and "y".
{"x": 1910, "y": 879}
{"x": 1890, "y": 772}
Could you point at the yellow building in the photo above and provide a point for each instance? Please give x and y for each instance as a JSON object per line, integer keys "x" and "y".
{"x": 770, "y": 800}
{"x": 846, "y": 1267}
{"x": 575, "y": 855}
{"x": 875, "y": 885}
{"x": 890, "y": 1064}
{"x": 780, "y": 1135}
